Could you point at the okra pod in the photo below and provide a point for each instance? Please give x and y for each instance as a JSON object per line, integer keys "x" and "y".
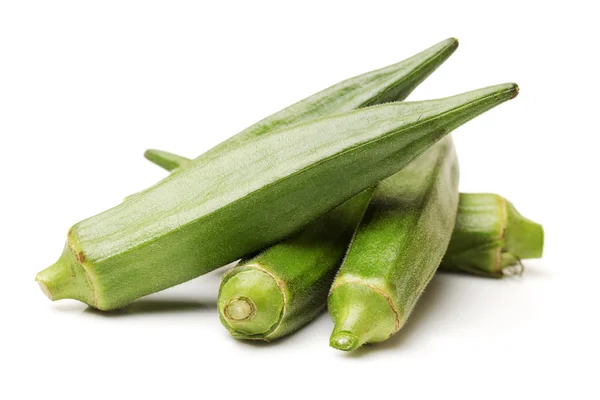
{"x": 491, "y": 237}
{"x": 397, "y": 248}
{"x": 214, "y": 213}
{"x": 299, "y": 271}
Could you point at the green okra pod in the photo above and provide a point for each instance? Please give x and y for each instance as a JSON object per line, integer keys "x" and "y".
{"x": 490, "y": 237}
{"x": 392, "y": 83}
{"x": 211, "y": 214}
{"x": 396, "y": 250}
{"x": 291, "y": 280}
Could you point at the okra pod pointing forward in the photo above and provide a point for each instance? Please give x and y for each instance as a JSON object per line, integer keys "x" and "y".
{"x": 396, "y": 250}
{"x": 211, "y": 214}
{"x": 392, "y": 83}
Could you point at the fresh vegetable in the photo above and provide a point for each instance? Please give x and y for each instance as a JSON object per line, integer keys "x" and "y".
{"x": 392, "y": 83}
{"x": 396, "y": 250}
{"x": 210, "y": 214}
{"x": 292, "y": 279}
{"x": 490, "y": 237}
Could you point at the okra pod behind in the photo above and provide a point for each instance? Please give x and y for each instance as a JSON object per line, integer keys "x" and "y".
{"x": 491, "y": 237}
{"x": 204, "y": 217}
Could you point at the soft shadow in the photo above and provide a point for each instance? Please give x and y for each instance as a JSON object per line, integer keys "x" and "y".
{"x": 156, "y": 306}
{"x": 305, "y": 329}
{"x": 262, "y": 343}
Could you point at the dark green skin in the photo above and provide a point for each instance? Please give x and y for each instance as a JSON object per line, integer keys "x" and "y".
{"x": 211, "y": 214}
{"x": 490, "y": 237}
{"x": 396, "y": 250}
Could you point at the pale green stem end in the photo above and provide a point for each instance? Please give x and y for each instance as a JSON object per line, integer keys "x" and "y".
{"x": 166, "y": 160}
{"x": 251, "y": 303}
{"x": 239, "y": 309}
{"x": 523, "y": 237}
{"x": 66, "y": 279}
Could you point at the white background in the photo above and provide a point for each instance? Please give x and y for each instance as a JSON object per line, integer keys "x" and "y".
{"x": 86, "y": 87}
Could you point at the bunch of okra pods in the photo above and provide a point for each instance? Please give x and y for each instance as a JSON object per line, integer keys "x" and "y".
{"x": 347, "y": 199}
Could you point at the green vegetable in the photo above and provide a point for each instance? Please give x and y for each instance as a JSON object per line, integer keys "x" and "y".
{"x": 396, "y": 250}
{"x": 292, "y": 278}
{"x": 213, "y": 213}
{"x": 392, "y": 83}
{"x": 490, "y": 236}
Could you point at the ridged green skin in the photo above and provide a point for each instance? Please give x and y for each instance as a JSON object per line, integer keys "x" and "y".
{"x": 392, "y": 83}
{"x": 303, "y": 266}
{"x": 396, "y": 250}
{"x": 490, "y": 237}
{"x": 264, "y": 190}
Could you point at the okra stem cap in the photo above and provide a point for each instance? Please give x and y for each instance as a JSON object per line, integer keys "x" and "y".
{"x": 250, "y": 302}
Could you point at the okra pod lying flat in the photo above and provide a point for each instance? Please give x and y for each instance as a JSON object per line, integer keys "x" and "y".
{"x": 392, "y": 83}
{"x": 397, "y": 248}
{"x": 214, "y": 213}
{"x": 276, "y": 292}
{"x": 490, "y": 237}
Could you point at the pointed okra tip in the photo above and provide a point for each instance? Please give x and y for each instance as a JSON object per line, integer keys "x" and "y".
{"x": 361, "y": 314}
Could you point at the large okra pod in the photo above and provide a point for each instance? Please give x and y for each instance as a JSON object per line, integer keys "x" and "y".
{"x": 396, "y": 250}
{"x": 214, "y": 213}
{"x": 392, "y": 83}
{"x": 490, "y": 237}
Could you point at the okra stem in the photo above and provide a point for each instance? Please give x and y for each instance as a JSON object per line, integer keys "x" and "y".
{"x": 166, "y": 160}
{"x": 243, "y": 293}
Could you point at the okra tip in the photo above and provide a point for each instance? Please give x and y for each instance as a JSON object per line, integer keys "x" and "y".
{"x": 251, "y": 302}
{"x": 345, "y": 341}
{"x": 362, "y": 313}
{"x": 67, "y": 279}
{"x": 56, "y": 281}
